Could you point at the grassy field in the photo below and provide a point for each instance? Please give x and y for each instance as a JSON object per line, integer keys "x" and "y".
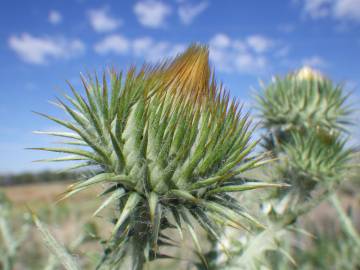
{"x": 66, "y": 221}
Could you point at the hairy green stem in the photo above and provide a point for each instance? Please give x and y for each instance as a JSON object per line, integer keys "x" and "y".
{"x": 305, "y": 208}
{"x": 141, "y": 232}
{"x": 345, "y": 221}
{"x": 9, "y": 242}
{"x": 138, "y": 257}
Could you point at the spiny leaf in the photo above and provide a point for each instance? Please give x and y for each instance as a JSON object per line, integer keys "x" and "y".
{"x": 129, "y": 207}
{"x": 56, "y": 248}
{"x": 246, "y": 186}
{"x": 114, "y": 196}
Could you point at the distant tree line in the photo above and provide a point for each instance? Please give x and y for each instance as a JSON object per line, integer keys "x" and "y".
{"x": 36, "y": 177}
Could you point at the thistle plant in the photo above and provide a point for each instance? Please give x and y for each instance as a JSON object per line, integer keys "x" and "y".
{"x": 302, "y": 101}
{"x": 169, "y": 145}
{"x": 316, "y": 160}
{"x": 10, "y": 238}
{"x": 304, "y": 116}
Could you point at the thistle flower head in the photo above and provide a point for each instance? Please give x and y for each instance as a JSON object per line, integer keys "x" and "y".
{"x": 307, "y": 73}
{"x": 312, "y": 159}
{"x": 305, "y": 114}
{"x": 169, "y": 145}
{"x": 303, "y": 100}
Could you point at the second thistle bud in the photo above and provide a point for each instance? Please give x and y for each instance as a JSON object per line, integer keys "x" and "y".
{"x": 307, "y": 73}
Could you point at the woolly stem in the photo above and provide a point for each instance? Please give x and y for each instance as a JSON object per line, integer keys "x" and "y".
{"x": 305, "y": 208}
{"x": 9, "y": 242}
{"x": 140, "y": 239}
{"x": 345, "y": 221}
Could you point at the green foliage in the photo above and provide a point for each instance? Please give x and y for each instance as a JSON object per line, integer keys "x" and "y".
{"x": 58, "y": 249}
{"x": 303, "y": 101}
{"x": 17, "y": 238}
{"x": 310, "y": 160}
{"x": 169, "y": 145}
{"x": 328, "y": 250}
{"x": 304, "y": 116}
{"x": 10, "y": 240}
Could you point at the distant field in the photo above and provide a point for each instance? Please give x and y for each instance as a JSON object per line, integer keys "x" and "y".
{"x": 44, "y": 195}
{"x": 66, "y": 220}
{"x": 43, "y": 192}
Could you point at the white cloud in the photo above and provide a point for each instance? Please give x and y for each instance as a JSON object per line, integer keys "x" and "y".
{"x": 344, "y": 10}
{"x": 220, "y": 52}
{"x": 160, "y": 50}
{"x": 113, "y": 43}
{"x": 101, "y": 21}
{"x": 152, "y": 13}
{"x": 317, "y": 8}
{"x": 54, "y": 17}
{"x": 315, "y": 61}
{"x": 188, "y": 12}
{"x": 142, "y": 47}
{"x": 38, "y": 50}
{"x": 248, "y": 55}
{"x": 259, "y": 43}
{"x": 349, "y": 9}
{"x": 220, "y": 41}
{"x": 246, "y": 62}
{"x": 227, "y": 54}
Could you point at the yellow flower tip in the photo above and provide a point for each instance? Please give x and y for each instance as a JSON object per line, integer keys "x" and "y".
{"x": 190, "y": 72}
{"x": 308, "y": 73}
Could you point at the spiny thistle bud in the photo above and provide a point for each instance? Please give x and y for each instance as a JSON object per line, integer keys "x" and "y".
{"x": 310, "y": 158}
{"x": 303, "y": 100}
{"x": 307, "y": 73}
{"x": 169, "y": 145}
{"x": 305, "y": 114}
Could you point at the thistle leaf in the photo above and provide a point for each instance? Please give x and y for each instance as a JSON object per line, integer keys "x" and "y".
{"x": 55, "y": 247}
{"x": 129, "y": 207}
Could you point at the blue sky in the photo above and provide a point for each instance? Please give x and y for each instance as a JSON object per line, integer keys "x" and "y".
{"x": 43, "y": 43}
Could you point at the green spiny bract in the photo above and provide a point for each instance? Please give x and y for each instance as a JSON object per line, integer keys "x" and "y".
{"x": 317, "y": 160}
{"x": 301, "y": 101}
{"x": 305, "y": 116}
{"x": 169, "y": 144}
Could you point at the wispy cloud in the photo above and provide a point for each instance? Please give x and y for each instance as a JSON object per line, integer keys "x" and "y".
{"x": 317, "y": 8}
{"x": 247, "y": 55}
{"x": 188, "y": 12}
{"x": 102, "y": 21}
{"x": 344, "y": 10}
{"x": 141, "y": 47}
{"x": 349, "y": 9}
{"x": 159, "y": 49}
{"x": 113, "y": 43}
{"x": 315, "y": 61}
{"x": 55, "y": 17}
{"x": 152, "y": 13}
{"x": 39, "y": 50}
{"x": 259, "y": 43}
